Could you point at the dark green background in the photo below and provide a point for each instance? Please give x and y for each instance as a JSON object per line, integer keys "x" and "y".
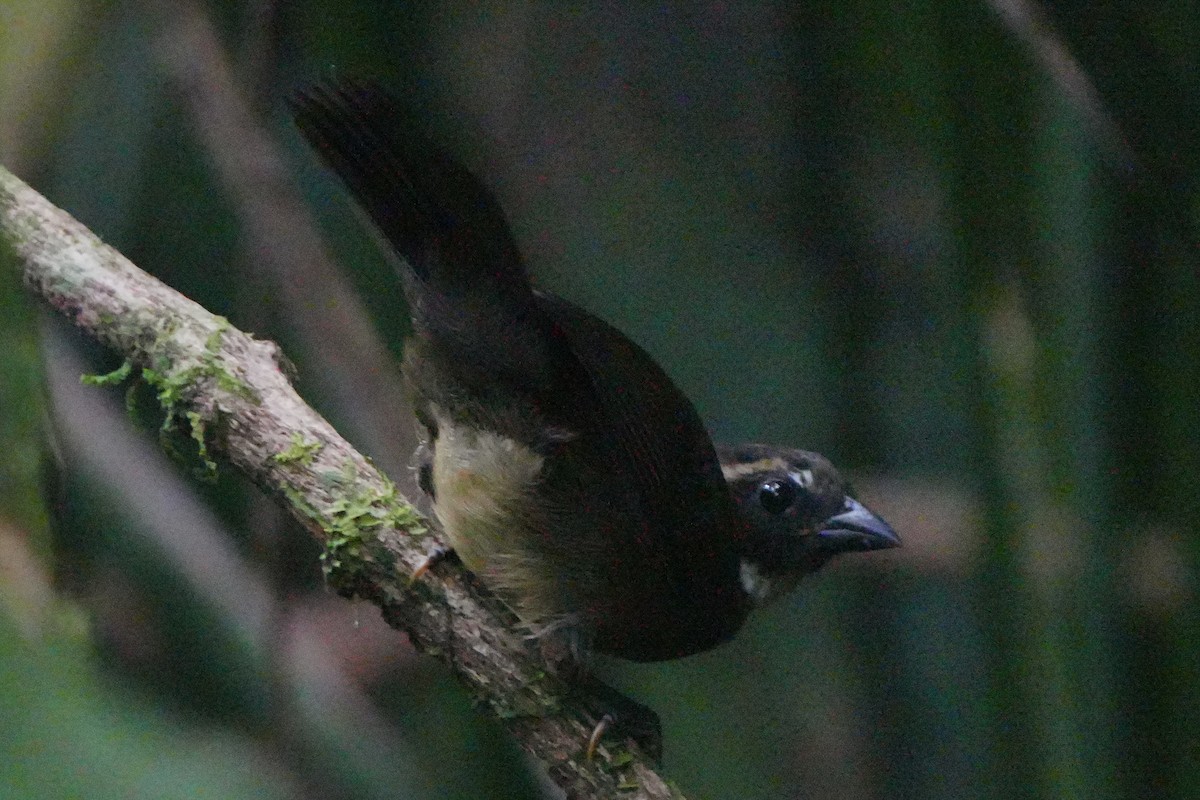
{"x": 950, "y": 245}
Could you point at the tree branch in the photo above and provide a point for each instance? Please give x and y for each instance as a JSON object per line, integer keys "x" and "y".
{"x": 231, "y": 393}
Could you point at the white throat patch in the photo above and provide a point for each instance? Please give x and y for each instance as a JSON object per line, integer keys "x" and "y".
{"x": 756, "y": 585}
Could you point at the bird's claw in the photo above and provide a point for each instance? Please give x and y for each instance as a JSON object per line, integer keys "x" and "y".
{"x": 437, "y": 554}
{"x": 601, "y": 728}
{"x": 618, "y": 716}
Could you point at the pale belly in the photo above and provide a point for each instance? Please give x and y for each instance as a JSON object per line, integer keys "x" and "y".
{"x": 484, "y": 484}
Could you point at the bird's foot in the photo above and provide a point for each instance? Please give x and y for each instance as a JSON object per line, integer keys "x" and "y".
{"x": 618, "y": 717}
{"x": 565, "y": 646}
{"x": 436, "y": 554}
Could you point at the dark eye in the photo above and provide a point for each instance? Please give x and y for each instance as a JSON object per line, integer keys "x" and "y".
{"x": 777, "y": 496}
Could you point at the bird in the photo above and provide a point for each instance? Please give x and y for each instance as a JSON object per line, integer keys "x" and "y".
{"x": 565, "y": 468}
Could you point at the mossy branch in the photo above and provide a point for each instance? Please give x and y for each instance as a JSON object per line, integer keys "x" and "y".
{"x": 233, "y": 394}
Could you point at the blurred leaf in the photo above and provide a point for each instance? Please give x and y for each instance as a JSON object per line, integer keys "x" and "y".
{"x": 64, "y": 732}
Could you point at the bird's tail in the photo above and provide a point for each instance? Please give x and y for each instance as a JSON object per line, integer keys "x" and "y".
{"x": 466, "y": 285}
{"x": 432, "y": 211}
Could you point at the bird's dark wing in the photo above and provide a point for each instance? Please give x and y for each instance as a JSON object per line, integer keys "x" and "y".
{"x": 659, "y": 439}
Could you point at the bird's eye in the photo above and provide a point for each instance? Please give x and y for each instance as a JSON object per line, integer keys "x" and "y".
{"x": 777, "y": 496}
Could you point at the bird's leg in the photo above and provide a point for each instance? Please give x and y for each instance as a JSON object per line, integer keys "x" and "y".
{"x": 424, "y": 467}
{"x": 564, "y": 646}
{"x": 422, "y": 460}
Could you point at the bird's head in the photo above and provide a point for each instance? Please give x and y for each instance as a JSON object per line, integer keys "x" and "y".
{"x": 797, "y": 512}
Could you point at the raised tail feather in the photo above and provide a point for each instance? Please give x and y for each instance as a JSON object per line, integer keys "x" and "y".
{"x": 467, "y": 290}
{"x": 439, "y": 217}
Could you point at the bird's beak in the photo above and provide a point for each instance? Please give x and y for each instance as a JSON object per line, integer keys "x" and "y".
{"x": 856, "y": 528}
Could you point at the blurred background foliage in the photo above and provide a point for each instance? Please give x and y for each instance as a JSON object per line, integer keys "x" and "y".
{"x": 950, "y": 244}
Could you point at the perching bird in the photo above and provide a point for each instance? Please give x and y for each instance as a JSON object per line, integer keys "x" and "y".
{"x": 566, "y": 469}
